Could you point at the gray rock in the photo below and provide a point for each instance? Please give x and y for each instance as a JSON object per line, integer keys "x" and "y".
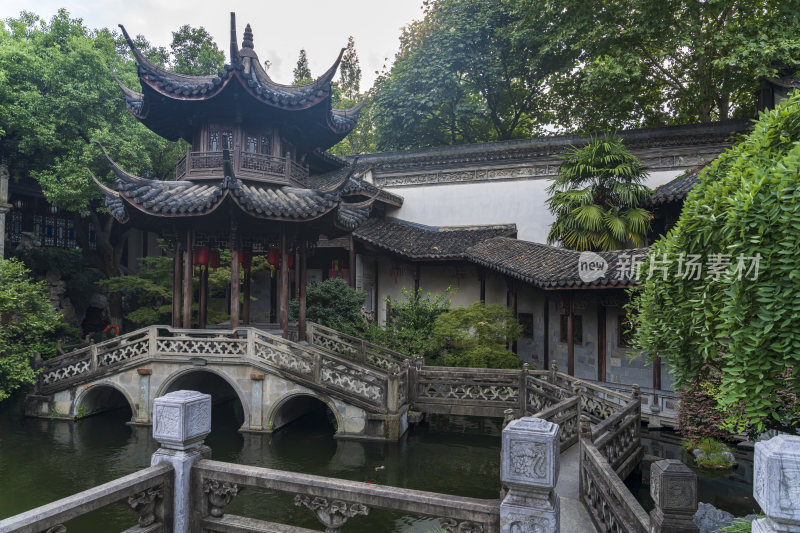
{"x": 697, "y": 452}
{"x": 730, "y": 457}
{"x": 709, "y": 519}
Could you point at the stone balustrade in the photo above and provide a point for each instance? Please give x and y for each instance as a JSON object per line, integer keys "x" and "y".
{"x": 776, "y": 484}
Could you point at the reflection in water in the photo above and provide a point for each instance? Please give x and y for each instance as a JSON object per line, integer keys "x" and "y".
{"x": 44, "y": 460}
{"x": 730, "y": 490}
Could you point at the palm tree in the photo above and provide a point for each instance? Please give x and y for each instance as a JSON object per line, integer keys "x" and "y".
{"x": 596, "y": 198}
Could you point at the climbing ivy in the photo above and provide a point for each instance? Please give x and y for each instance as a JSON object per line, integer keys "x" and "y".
{"x": 739, "y": 320}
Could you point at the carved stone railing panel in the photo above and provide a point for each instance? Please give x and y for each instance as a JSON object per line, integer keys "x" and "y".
{"x": 610, "y": 504}
{"x": 123, "y": 350}
{"x": 147, "y": 492}
{"x": 621, "y": 441}
{"x": 541, "y": 394}
{"x": 484, "y": 386}
{"x": 567, "y": 415}
{"x": 282, "y": 357}
{"x": 67, "y": 366}
{"x": 336, "y": 501}
{"x": 200, "y": 345}
{"x": 354, "y": 348}
{"x": 353, "y": 380}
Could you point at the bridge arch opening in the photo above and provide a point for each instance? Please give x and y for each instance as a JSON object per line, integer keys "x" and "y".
{"x": 100, "y": 399}
{"x": 307, "y": 410}
{"x": 229, "y": 412}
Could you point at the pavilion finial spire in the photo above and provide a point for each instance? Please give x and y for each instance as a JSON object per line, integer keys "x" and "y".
{"x": 247, "y": 40}
{"x": 234, "y": 47}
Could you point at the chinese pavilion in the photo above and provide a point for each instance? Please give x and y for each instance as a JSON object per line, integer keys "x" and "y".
{"x": 255, "y": 178}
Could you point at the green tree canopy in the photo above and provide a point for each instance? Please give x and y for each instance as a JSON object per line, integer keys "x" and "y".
{"x": 478, "y": 336}
{"x": 350, "y": 71}
{"x": 27, "y": 322}
{"x": 469, "y": 71}
{"x": 650, "y": 63}
{"x": 194, "y": 52}
{"x": 333, "y": 303}
{"x": 738, "y": 320}
{"x": 596, "y": 198}
{"x": 301, "y": 72}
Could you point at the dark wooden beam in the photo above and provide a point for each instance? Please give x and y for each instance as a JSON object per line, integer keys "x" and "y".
{"x": 246, "y": 297}
{"x": 482, "y": 278}
{"x": 296, "y": 288}
{"x": 202, "y": 314}
{"x": 352, "y": 262}
{"x": 188, "y": 272}
{"x": 284, "y": 285}
{"x": 416, "y": 277}
{"x": 177, "y": 267}
{"x": 301, "y": 311}
{"x": 546, "y": 339}
{"x": 234, "y": 280}
{"x": 601, "y": 342}
{"x": 570, "y": 337}
{"x": 512, "y": 297}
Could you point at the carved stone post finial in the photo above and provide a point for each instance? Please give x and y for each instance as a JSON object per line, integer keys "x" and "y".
{"x": 776, "y": 484}
{"x": 181, "y": 420}
{"x": 637, "y": 392}
{"x": 586, "y": 427}
{"x": 529, "y": 467}
{"x": 673, "y": 487}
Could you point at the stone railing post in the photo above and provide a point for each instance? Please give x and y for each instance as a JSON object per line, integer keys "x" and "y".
{"x": 529, "y": 467}
{"x": 181, "y": 420}
{"x": 523, "y": 390}
{"x": 553, "y": 371}
{"x": 673, "y": 487}
{"x": 152, "y": 336}
{"x": 93, "y": 352}
{"x": 776, "y": 484}
{"x": 392, "y": 392}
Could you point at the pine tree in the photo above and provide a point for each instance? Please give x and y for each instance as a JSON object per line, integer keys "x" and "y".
{"x": 350, "y": 71}
{"x": 302, "y": 73}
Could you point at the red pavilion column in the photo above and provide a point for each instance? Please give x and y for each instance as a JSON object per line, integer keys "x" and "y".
{"x": 234, "y": 278}
{"x": 187, "y": 281}
{"x": 284, "y": 285}
{"x": 177, "y": 266}
{"x": 301, "y": 312}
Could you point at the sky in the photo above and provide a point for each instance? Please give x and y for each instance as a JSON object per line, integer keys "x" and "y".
{"x": 280, "y": 29}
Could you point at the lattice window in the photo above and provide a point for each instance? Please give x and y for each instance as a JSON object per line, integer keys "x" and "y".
{"x": 71, "y": 234}
{"x": 61, "y": 232}
{"x": 15, "y": 228}
{"x": 49, "y": 231}
{"x": 227, "y": 140}
{"x": 252, "y": 144}
{"x": 92, "y": 237}
{"x": 37, "y": 228}
{"x": 213, "y": 141}
{"x": 266, "y": 144}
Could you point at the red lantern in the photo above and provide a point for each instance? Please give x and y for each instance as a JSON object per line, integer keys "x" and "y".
{"x": 273, "y": 257}
{"x": 213, "y": 259}
{"x": 201, "y": 256}
{"x": 246, "y": 259}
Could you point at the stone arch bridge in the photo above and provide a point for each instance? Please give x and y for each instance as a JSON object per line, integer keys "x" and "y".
{"x": 368, "y": 388}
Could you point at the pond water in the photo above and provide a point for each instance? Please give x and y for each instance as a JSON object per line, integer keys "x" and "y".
{"x": 44, "y": 460}
{"x": 730, "y": 490}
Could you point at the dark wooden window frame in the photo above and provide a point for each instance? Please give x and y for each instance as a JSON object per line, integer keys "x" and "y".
{"x": 577, "y": 324}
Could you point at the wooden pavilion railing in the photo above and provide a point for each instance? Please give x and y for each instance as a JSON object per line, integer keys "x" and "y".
{"x": 246, "y": 165}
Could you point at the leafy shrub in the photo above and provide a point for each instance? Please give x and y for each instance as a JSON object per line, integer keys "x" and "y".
{"x": 698, "y": 414}
{"x": 409, "y": 328}
{"x": 333, "y": 303}
{"x": 745, "y": 206}
{"x": 740, "y": 525}
{"x": 27, "y": 323}
{"x": 478, "y": 336}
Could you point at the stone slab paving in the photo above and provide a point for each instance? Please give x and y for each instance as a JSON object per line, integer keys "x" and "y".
{"x": 574, "y": 518}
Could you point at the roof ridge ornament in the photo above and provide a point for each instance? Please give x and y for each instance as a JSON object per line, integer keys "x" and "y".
{"x": 234, "y": 50}
{"x": 340, "y": 185}
{"x": 247, "y": 40}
